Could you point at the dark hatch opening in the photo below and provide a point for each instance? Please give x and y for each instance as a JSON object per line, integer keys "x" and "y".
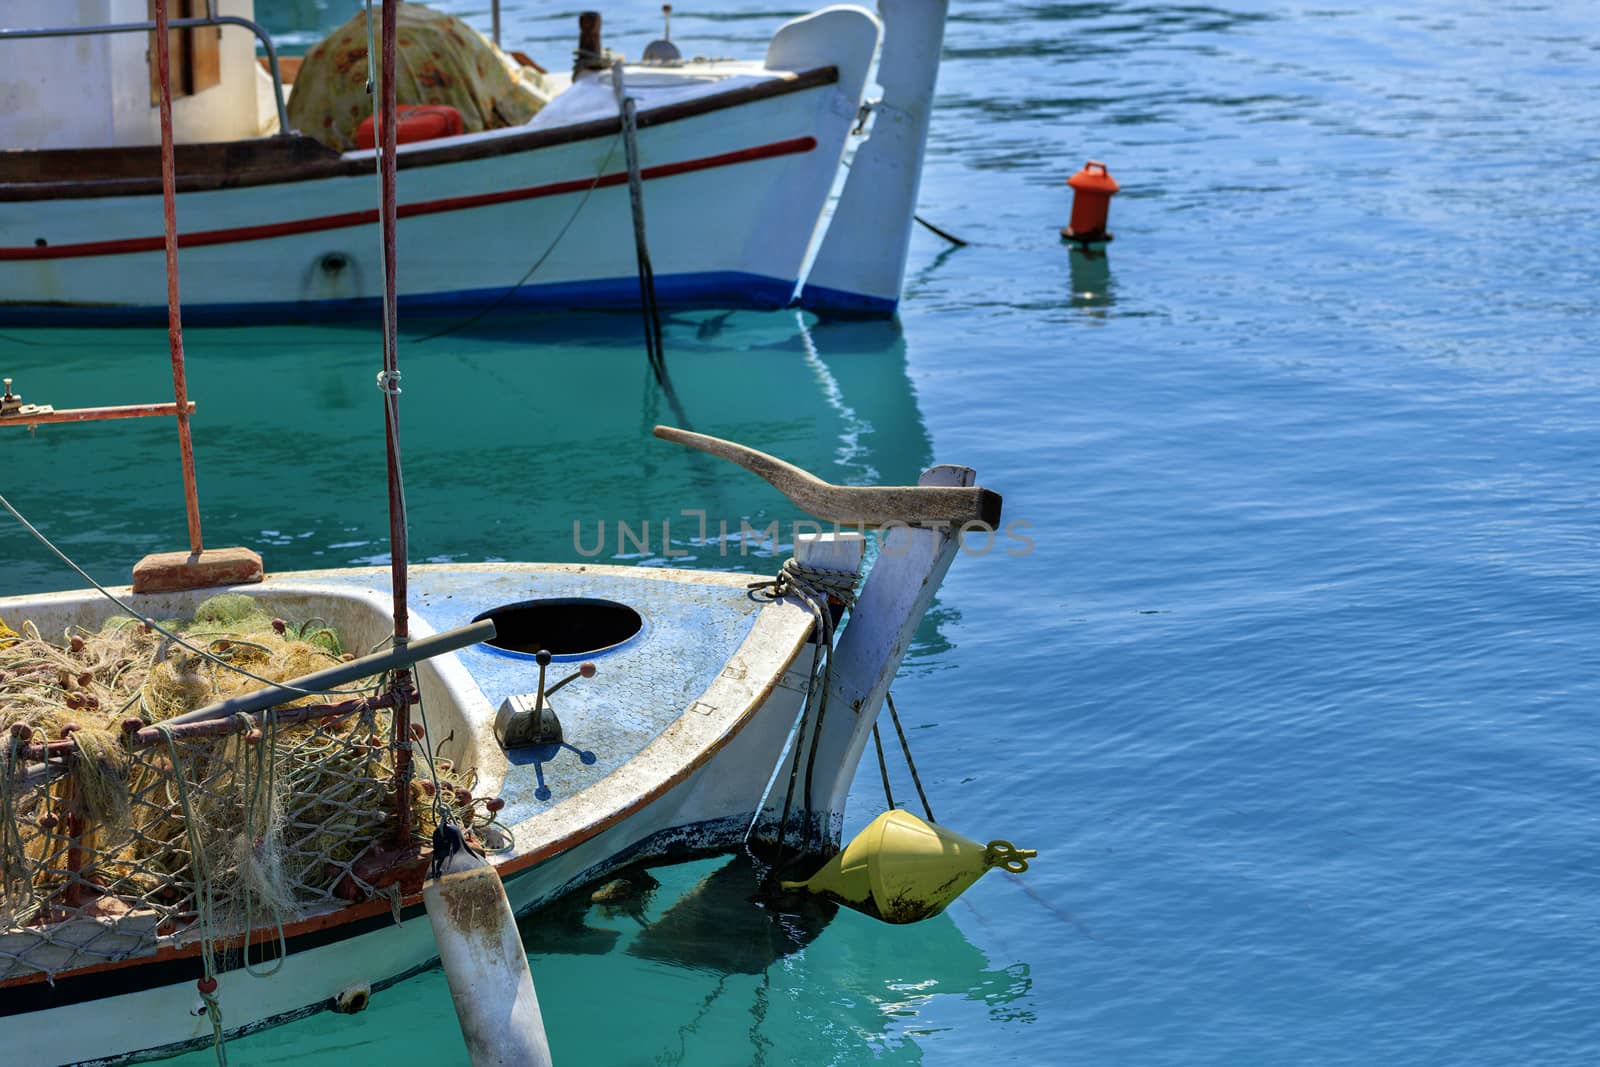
{"x": 566, "y": 626}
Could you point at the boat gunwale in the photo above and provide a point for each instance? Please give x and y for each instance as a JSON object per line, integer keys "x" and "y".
{"x": 226, "y": 164}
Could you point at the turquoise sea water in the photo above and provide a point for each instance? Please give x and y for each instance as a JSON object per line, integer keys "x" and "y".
{"x": 1295, "y": 692}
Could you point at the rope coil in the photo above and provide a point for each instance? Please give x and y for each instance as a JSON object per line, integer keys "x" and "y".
{"x": 811, "y": 583}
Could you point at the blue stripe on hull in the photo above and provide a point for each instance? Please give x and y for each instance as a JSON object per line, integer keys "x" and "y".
{"x": 821, "y": 299}
{"x": 712, "y": 289}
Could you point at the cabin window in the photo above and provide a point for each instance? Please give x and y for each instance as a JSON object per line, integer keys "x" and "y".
{"x": 196, "y": 51}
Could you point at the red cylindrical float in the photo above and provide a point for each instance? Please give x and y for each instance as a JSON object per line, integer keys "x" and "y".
{"x": 1092, "y": 190}
{"x": 418, "y": 122}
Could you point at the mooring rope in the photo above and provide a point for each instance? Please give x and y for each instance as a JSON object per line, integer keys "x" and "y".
{"x": 888, "y": 698}
{"x": 627, "y": 109}
{"x": 537, "y": 263}
{"x": 813, "y": 586}
{"x": 883, "y": 768}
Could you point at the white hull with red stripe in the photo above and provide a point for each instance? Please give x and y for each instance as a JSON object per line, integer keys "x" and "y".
{"x": 737, "y": 161}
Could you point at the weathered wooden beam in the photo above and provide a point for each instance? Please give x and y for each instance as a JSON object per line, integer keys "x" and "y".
{"x": 850, "y": 505}
{"x": 125, "y": 411}
{"x": 171, "y": 572}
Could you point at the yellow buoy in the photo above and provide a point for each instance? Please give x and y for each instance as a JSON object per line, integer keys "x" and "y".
{"x": 901, "y": 869}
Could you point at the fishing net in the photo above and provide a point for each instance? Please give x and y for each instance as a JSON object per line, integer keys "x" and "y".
{"x": 442, "y": 60}
{"x": 116, "y": 839}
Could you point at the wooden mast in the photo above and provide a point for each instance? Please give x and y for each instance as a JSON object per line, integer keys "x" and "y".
{"x": 169, "y": 212}
{"x": 196, "y": 568}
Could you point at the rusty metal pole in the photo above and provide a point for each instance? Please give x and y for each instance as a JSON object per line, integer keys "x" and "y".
{"x": 386, "y": 127}
{"x": 180, "y": 385}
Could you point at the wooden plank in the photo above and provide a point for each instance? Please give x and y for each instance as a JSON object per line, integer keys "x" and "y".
{"x": 219, "y": 163}
{"x": 205, "y": 50}
{"x": 169, "y": 572}
{"x": 526, "y": 61}
{"x": 178, "y": 57}
{"x": 850, "y": 505}
{"x": 288, "y": 67}
{"x": 125, "y": 411}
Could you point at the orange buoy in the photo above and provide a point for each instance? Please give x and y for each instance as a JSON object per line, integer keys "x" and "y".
{"x": 1092, "y": 190}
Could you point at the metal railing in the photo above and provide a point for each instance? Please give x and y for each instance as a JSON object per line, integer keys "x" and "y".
{"x": 211, "y": 18}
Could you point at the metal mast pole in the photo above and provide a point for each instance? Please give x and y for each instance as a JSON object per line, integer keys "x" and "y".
{"x": 387, "y": 124}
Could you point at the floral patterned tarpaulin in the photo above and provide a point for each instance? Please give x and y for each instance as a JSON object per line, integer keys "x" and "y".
{"x": 442, "y": 61}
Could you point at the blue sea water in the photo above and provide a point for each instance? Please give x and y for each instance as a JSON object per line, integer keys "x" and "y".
{"x": 1294, "y": 692}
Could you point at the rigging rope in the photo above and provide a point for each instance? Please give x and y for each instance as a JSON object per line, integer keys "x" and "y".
{"x": 386, "y": 129}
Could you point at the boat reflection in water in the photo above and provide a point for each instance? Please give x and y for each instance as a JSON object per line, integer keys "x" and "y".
{"x": 723, "y": 924}
{"x": 706, "y": 938}
{"x": 516, "y": 430}
{"x": 501, "y": 429}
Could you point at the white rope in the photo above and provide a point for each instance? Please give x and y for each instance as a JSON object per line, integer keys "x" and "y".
{"x": 205, "y": 917}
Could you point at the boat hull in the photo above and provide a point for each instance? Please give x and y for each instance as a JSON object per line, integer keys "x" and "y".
{"x": 675, "y": 747}
{"x": 733, "y": 196}
{"x": 691, "y": 789}
{"x": 92, "y": 1018}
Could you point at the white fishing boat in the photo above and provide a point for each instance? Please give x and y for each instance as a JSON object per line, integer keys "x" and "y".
{"x": 734, "y": 163}
{"x": 193, "y": 847}
{"x": 668, "y": 751}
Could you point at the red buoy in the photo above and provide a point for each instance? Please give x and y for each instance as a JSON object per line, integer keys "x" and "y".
{"x": 1092, "y": 190}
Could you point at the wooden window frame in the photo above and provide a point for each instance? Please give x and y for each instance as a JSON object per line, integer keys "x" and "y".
{"x": 196, "y": 51}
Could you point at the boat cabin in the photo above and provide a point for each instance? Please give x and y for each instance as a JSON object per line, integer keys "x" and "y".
{"x": 100, "y": 89}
